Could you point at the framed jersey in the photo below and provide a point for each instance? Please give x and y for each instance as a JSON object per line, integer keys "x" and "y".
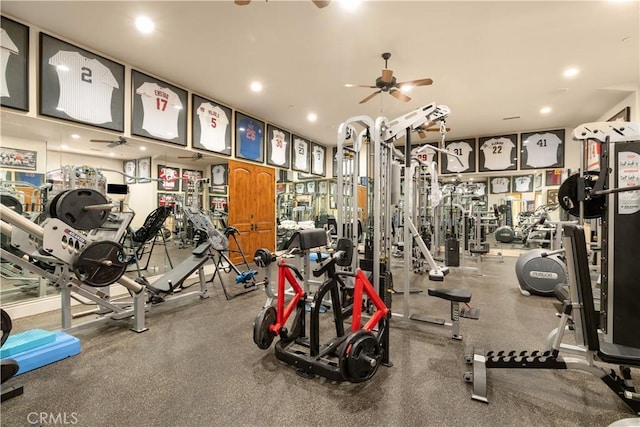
{"x": 14, "y": 56}
{"x": 210, "y": 126}
{"x": 500, "y": 184}
{"x": 189, "y": 176}
{"x": 318, "y": 156}
{"x": 80, "y": 86}
{"x": 168, "y": 178}
{"x": 542, "y": 149}
{"x": 498, "y": 153}
{"x": 425, "y": 153}
{"x": 522, "y": 183}
{"x": 144, "y": 170}
{"x": 158, "y": 110}
{"x": 219, "y": 174}
{"x": 278, "y": 147}
{"x": 463, "y": 157}
{"x": 300, "y": 154}
{"x": 130, "y": 168}
{"x": 249, "y": 138}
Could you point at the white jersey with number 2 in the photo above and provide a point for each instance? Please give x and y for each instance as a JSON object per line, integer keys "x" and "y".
{"x": 161, "y": 108}
{"x": 86, "y": 86}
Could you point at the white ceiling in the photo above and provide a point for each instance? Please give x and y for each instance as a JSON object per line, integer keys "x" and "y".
{"x": 488, "y": 60}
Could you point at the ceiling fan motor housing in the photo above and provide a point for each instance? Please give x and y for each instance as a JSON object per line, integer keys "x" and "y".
{"x": 385, "y": 86}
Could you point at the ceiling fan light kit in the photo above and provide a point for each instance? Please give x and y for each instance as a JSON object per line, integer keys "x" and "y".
{"x": 388, "y": 83}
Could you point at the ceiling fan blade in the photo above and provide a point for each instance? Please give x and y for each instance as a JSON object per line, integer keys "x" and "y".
{"x": 421, "y": 132}
{"x": 109, "y": 141}
{"x": 321, "y": 3}
{"x": 399, "y": 95}
{"x": 242, "y": 2}
{"x": 368, "y": 86}
{"x": 370, "y": 96}
{"x": 419, "y": 82}
{"x": 387, "y": 75}
{"x": 436, "y": 130}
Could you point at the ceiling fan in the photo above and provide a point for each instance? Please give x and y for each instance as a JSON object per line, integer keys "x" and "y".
{"x": 387, "y": 83}
{"x": 194, "y": 156}
{"x": 112, "y": 143}
{"x": 319, "y": 3}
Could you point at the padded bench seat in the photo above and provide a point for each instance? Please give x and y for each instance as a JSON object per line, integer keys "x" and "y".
{"x": 458, "y": 295}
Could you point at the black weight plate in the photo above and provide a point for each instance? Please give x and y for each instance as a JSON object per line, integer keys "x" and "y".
{"x": 568, "y": 197}
{"x": 262, "y": 336}
{"x": 359, "y": 356}
{"x": 263, "y": 257}
{"x": 51, "y": 208}
{"x": 100, "y": 263}
{"x": 12, "y": 202}
{"x": 6, "y": 325}
{"x": 70, "y": 209}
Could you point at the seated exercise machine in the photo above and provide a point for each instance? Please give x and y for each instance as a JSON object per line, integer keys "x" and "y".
{"x": 584, "y": 316}
{"x": 219, "y": 241}
{"x": 142, "y": 241}
{"x": 353, "y": 355}
{"x": 72, "y": 254}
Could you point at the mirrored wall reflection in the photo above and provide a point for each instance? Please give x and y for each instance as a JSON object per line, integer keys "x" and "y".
{"x": 302, "y": 203}
{"x": 23, "y": 189}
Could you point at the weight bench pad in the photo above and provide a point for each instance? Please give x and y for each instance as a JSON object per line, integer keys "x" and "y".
{"x": 459, "y": 295}
{"x": 308, "y": 239}
{"x": 619, "y": 354}
{"x": 175, "y": 277}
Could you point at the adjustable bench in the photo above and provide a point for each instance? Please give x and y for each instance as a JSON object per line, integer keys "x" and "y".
{"x": 456, "y": 296}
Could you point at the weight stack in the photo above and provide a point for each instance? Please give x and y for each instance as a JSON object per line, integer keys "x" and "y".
{"x": 452, "y": 253}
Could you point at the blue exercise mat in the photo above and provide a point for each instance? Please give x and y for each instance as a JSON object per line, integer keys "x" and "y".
{"x": 26, "y": 340}
{"x": 62, "y": 346}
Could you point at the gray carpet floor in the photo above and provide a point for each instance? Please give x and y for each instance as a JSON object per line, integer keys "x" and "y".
{"x": 197, "y": 365}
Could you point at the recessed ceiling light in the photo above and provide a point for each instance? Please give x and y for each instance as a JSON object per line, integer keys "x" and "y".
{"x": 143, "y": 148}
{"x": 75, "y": 136}
{"x": 348, "y": 85}
{"x": 256, "y": 86}
{"x": 571, "y": 72}
{"x": 64, "y": 146}
{"x": 312, "y": 117}
{"x": 145, "y": 25}
{"x": 545, "y": 110}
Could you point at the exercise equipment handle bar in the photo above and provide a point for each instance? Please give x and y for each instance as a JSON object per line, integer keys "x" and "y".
{"x": 104, "y": 207}
{"x": 615, "y": 190}
{"x": 21, "y": 222}
{"x": 556, "y": 252}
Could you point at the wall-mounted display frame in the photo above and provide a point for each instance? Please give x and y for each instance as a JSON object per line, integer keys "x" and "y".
{"x": 219, "y": 174}
{"x": 322, "y": 187}
{"x": 498, "y": 153}
{"x": 500, "y": 184}
{"x": 425, "y": 152}
{"x": 168, "y": 178}
{"x": 522, "y": 183}
{"x": 552, "y": 196}
{"x": 169, "y": 199}
{"x": 311, "y": 187}
{"x": 14, "y": 88}
{"x": 15, "y": 158}
{"x": 300, "y": 154}
{"x": 188, "y": 178}
{"x": 537, "y": 181}
{"x": 218, "y": 189}
{"x": 300, "y": 188}
{"x": 130, "y": 169}
{"x": 158, "y": 109}
{"x": 284, "y": 175}
{"x": 318, "y": 159}
{"x": 32, "y": 178}
{"x": 144, "y": 170}
{"x": 594, "y": 147}
{"x": 80, "y": 86}
{"x": 542, "y": 149}
{"x": 217, "y": 203}
{"x": 463, "y": 158}
{"x": 190, "y": 198}
{"x": 278, "y": 147}
{"x": 249, "y": 138}
{"x": 305, "y": 176}
{"x": 555, "y": 177}
{"x": 210, "y": 125}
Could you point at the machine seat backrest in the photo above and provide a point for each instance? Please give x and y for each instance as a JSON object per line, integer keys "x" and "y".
{"x": 308, "y": 239}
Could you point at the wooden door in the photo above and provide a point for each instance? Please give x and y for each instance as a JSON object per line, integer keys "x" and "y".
{"x": 252, "y": 207}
